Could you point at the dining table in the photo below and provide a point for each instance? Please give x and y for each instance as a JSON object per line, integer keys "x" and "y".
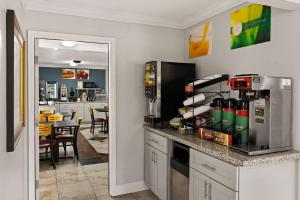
{"x": 60, "y": 125}
{"x": 66, "y": 114}
{"x": 105, "y": 110}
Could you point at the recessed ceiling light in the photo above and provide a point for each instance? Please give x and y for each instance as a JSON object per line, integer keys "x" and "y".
{"x": 55, "y": 48}
{"x": 68, "y": 43}
{"x": 72, "y": 64}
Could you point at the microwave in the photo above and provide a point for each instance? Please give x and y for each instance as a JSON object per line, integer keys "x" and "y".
{"x": 89, "y": 85}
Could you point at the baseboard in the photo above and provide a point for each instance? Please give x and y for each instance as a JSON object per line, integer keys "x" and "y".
{"x": 130, "y": 188}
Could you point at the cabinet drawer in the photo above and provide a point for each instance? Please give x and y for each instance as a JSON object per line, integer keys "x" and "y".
{"x": 156, "y": 141}
{"x": 214, "y": 168}
{"x": 202, "y": 187}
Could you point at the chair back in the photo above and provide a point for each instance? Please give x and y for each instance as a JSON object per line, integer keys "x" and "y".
{"x": 47, "y": 110}
{"x": 55, "y": 118}
{"x": 45, "y": 130}
{"x": 79, "y": 120}
{"x": 42, "y": 117}
{"x": 91, "y": 113}
{"x": 73, "y": 114}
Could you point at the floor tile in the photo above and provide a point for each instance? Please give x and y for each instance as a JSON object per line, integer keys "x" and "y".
{"x": 48, "y": 195}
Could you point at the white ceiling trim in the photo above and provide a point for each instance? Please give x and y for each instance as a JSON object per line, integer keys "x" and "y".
{"x": 129, "y": 17}
{"x": 283, "y": 4}
{"x": 211, "y": 12}
{"x": 63, "y": 65}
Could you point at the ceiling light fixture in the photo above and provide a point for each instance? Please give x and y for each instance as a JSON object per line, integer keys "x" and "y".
{"x": 74, "y": 63}
{"x": 68, "y": 43}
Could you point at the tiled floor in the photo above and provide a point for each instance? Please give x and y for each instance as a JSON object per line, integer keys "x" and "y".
{"x": 72, "y": 181}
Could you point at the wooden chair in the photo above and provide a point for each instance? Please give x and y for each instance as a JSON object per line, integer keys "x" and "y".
{"x": 55, "y": 118}
{"x": 42, "y": 117}
{"x": 95, "y": 121}
{"x": 47, "y": 110}
{"x": 46, "y": 134}
{"x": 71, "y": 138}
{"x": 73, "y": 114}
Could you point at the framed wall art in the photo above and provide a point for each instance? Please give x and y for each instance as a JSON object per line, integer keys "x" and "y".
{"x": 15, "y": 81}
{"x": 200, "y": 40}
{"x": 68, "y": 73}
{"x": 83, "y": 74}
{"x": 250, "y": 25}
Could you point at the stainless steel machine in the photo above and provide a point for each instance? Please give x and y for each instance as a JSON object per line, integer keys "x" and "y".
{"x": 164, "y": 89}
{"x": 270, "y": 112}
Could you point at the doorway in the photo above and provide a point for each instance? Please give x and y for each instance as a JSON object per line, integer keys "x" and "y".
{"x": 54, "y": 96}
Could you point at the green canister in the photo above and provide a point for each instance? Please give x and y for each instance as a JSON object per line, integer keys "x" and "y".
{"x": 228, "y": 116}
{"x": 216, "y": 113}
{"x": 242, "y": 121}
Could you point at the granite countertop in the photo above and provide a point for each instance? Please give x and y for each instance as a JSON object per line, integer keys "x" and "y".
{"x": 222, "y": 152}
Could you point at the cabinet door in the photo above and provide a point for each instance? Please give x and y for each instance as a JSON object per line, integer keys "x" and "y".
{"x": 86, "y": 113}
{"x": 217, "y": 191}
{"x": 161, "y": 173}
{"x": 198, "y": 186}
{"x": 149, "y": 167}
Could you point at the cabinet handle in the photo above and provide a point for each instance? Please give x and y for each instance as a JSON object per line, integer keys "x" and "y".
{"x": 209, "y": 191}
{"x": 208, "y": 167}
{"x": 154, "y": 141}
{"x": 155, "y": 157}
{"x": 205, "y": 189}
{"x": 152, "y": 157}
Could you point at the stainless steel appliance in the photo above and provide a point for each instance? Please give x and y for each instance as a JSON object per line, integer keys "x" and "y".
{"x": 270, "y": 112}
{"x": 42, "y": 91}
{"x": 89, "y": 85}
{"x": 164, "y": 88}
{"x": 180, "y": 172}
{"x": 51, "y": 90}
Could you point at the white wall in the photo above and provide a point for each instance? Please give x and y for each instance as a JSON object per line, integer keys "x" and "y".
{"x": 135, "y": 44}
{"x": 13, "y": 166}
{"x": 279, "y": 57}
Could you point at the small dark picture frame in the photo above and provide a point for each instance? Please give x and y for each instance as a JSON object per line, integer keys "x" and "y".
{"x": 15, "y": 81}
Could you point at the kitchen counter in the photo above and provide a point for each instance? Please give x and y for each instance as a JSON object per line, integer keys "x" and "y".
{"x": 222, "y": 152}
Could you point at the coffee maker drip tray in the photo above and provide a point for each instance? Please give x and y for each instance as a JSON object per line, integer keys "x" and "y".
{"x": 152, "y": 119}
{"x": 252, "y": 150}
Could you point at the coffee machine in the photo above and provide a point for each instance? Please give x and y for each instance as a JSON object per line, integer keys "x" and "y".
{"x": 164, "y": 89}
{"x": 270, "y": 112}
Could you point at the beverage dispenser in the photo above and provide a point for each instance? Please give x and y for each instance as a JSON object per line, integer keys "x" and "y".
{"x": 165, "y": 89}
{"x": 266, "y": 107}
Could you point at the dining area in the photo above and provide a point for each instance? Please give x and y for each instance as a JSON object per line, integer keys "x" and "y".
{"x": 58, "y": 130}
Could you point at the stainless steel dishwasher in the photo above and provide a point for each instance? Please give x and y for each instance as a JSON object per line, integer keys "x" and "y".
{"x": 180, "y": 172}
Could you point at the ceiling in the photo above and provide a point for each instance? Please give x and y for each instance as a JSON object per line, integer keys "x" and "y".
{"x": 168, "y": 13}
{"x": 52, "y": 53}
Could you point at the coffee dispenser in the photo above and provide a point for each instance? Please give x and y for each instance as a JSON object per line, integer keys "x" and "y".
{"x": 164, "y": 89}
{"x": 270, "y": 112}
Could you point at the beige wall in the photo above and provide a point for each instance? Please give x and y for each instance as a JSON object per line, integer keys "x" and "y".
{"x": 135, "y": 44}
{"x": 13, "y": 166}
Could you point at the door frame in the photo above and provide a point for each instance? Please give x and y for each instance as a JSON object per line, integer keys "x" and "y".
{"x": 32, "y": 100}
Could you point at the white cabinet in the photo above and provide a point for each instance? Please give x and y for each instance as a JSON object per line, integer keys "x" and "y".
{"x": 149, "y": 167}
{"x": 205, "y": 188}
{"x": 161, "y": 164}
{"x": 156, "y": 167}
{"x": 198, "y": 186}
{"x": 156, "y": 164}
{"x": 69, "y": 107}
{"x": 82, "y": 109}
